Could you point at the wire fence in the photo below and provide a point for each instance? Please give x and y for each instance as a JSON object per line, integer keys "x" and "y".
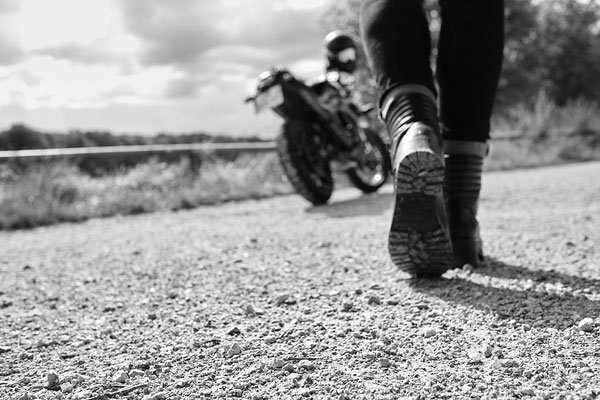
{"x": 237, "y": 147}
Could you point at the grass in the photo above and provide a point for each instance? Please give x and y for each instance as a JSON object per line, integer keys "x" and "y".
{"x": 551, "y": 135}
{"x": 43, "y": 194}
{"x": 59, "y": 192}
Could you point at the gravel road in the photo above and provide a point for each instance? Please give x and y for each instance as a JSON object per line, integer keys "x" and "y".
{"x": 274, "y": 299}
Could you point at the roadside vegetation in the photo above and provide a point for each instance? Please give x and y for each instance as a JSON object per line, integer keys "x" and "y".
{"x": 47, "y": 193}
{"x": 548, "y": 94}
{"x": 51, "y": 192}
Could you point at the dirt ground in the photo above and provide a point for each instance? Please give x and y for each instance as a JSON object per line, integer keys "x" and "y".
{"x": 274, "y": 299}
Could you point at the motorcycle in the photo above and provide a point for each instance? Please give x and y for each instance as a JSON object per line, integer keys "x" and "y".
{"x": 323, "y": 128}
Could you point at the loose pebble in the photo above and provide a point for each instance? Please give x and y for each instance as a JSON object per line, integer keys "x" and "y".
{"x": 234, "y": 350}
{"x": 270, "y": 339}
{"x": 83, "y": 394}
{"x": 306, "y": 364}
{"x": 52, "y": 379}
{"x": 487, "y": 351}
{"x": 135, "y": 373}
{"x": 281, "y": 299}
{"x": 120, "y": 376}
{"x": 384, "y": 362}
{"x": 586, "y": 325}
{"x": 430, "y": 333}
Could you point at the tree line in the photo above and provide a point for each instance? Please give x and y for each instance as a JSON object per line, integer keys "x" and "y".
{"x": 22, "y": 137}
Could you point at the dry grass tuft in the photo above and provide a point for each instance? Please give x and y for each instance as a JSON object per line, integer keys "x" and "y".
{"x": 59, "y": 192}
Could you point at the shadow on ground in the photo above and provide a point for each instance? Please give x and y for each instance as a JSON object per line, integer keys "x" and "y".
{"x": 539, "y": 298}
{"x": 369, "y": 204}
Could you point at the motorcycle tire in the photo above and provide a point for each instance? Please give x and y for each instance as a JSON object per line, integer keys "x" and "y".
{"x": 300, "y": 156}
{"x": 374, "y": 172}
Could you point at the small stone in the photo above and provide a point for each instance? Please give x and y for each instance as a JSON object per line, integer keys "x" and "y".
{"x": 393, "y": 302}
{"x": 120, "y": 376}
{"x": 24, "y": 381}
{"x": 348, "y": 306}
{"x": 430, "y": 333}
{"x": 281, "y": 299}
{"x": 249, "y": 310}
{"x": 384, "y": 362}
{"x": 73, "y": 378}
{"x": 152, "y": 316}
{"x": 150, "y": 373}
{"x": 510, "y": 364}
{"x": 295, "y": 380}
{"x": 278, "y": 364}
{"x": 26, "y": 356}
{"x": 234, "y": 350}
{"x": 234, "y": 332}
{"x": 586, "y": 325}
{"x": 182, "y": 383}
{"x": 307, "y": 365}
{"x": 134, "y": 373}
{"x": 289, "y": 367}
{"x": 66, "y": 387}
{"x": 52, "y": 379}
{"x": 83, "y": 394}
{"x": 270, "y": 340}
{"x": 487, "y": 351}
{"x": 5, "y": 304}
{"x": 374, "y": 300}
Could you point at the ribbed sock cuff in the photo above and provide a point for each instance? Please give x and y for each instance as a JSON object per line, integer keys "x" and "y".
{"x": 463, "y": 174}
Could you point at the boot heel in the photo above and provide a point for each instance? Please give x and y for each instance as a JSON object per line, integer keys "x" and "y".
{"x": 419, "y": 241}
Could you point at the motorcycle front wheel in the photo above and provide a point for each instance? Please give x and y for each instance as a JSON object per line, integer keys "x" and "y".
{"x": 301, "y": 155}
{"x": 373, "y": 166}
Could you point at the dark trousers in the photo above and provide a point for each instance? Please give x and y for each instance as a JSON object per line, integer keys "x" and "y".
{"x": 397, "y": 41}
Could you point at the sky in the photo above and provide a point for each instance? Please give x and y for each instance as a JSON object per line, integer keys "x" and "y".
{"x": 150, "y": 66}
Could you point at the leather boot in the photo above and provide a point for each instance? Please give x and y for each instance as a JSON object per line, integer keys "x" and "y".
{"x": 419, "y": 240}
{"x": 464, "y": 164}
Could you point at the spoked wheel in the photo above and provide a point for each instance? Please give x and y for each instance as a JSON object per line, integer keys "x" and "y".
{"x": 301, "y": 155}
{"x": 373, "y": 166}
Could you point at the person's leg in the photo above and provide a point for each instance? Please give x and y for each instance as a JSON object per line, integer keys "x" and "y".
{"x": 396, "y": 38}
{"x": 468, "y": 68}
{"x": 398, "y": 44}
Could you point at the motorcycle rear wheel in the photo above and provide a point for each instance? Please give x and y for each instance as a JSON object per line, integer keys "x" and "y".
{"x": 374, "y": 169}
{"x": 300, "y": 154}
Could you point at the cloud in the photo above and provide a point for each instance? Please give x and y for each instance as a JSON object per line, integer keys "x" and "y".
{"x": 11, "y": 51}
{"x": 185, "y": 31}
{"x": 152, "y": 64}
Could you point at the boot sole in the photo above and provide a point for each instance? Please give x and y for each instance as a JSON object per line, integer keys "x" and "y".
{"x": 419, "y": 243}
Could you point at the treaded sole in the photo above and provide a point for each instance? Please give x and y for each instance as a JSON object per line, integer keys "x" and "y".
{"x": 418, "y": 243}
